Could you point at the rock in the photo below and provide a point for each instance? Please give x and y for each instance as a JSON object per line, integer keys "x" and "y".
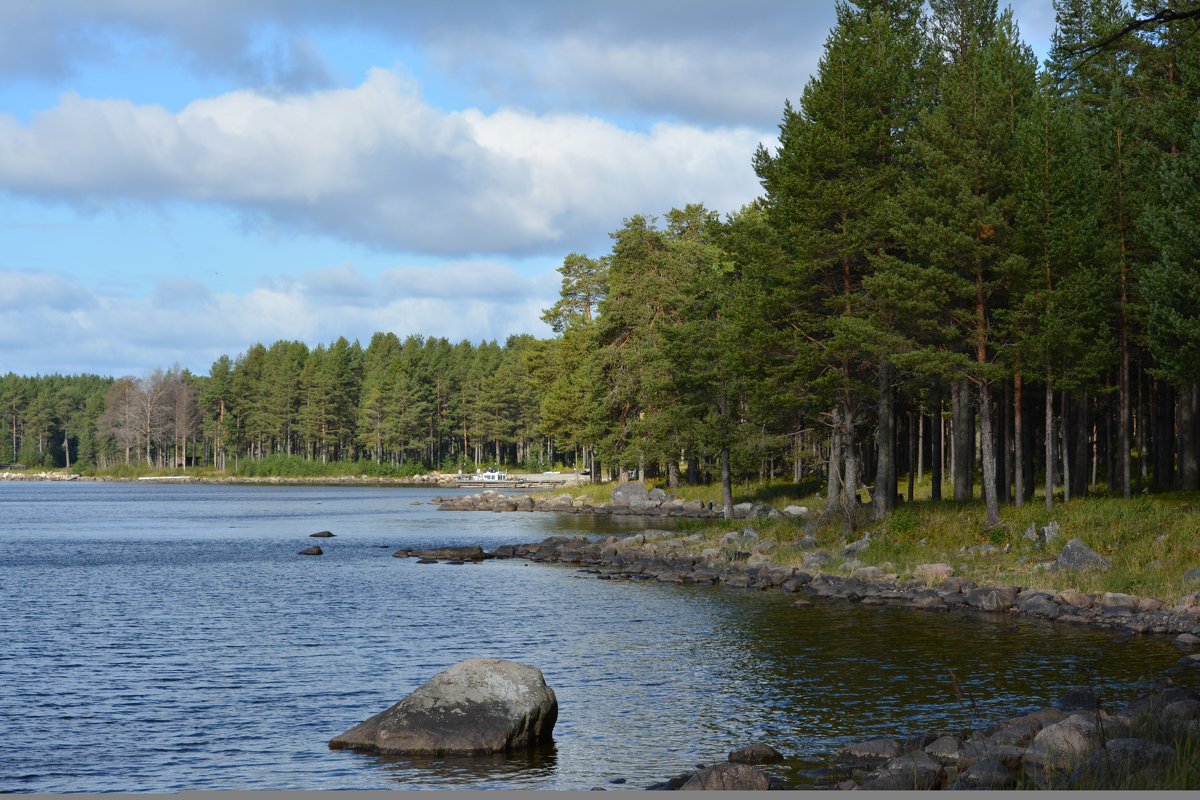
{"x": 480, "y": 706}
{"x": 743, "y": 511}
{"x": 1186, "y": 640}
{"x": 403, "y": 552}
{"x": 915, "y": 770}
{"x": 857, "y": 546}
{"x": 625, "y": 492}
{"x": 657, "y": 495}
{"x": 817, "y": 558}
{"x": 1074, "y": 597}
{"x": 1078, "y": 556}
{"x": 321, "y": 535}
{"x": 945, "y": 749}
{"x": 928, "y": 600}
{"x": 932, "y": 573}
{"x": 870, "y": 751}
{"x": 471, "y": 553}
{"x": 987, "y": 773}
{"x": 1117, "y": 600}
{"x": 991, "y": 598}
{"x": 312, "y": 551}
{"x": 1060, "y": 748}
{"x": 795, "y": 511}
{"x": 728, "y": 777}
{"x": 1122, "y": 760}
{"x": 756, "y": 754}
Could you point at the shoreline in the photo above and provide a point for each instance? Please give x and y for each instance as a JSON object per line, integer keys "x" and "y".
{"x": 739, "y": 562}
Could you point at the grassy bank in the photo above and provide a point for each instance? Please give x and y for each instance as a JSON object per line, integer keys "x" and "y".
{"x": 1151, "y": 540}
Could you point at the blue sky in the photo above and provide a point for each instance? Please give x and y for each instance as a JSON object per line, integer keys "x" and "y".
{"x": 181, "y": 180}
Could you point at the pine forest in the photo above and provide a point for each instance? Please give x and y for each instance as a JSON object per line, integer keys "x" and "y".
{"x": 964, "y": 266}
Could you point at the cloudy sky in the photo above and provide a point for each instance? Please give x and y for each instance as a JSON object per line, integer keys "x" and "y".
{"x": 180, "y": 180}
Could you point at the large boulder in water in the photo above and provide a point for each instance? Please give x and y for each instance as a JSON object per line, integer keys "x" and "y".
{"x": 481, "y": 706}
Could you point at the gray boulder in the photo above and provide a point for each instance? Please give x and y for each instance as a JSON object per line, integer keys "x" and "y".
{"x": 1078, "y": 556}
{"x": 1060, "y": 748}
{"x": 755, "y": 754}
{"x": 476, "y": 707}
{"x": 468, "y": 553}
{"x": 987, "y": 774}
{"x": 728, "y": 777}
{"x": 627, "y": 492}
{"x": 312, "y": 551}
{"x": 915, "y": 770}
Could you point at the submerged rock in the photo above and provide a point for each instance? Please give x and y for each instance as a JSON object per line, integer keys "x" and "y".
{"x": 312, "y": 551}
{"x": 476, "y": 707}
{"x": 321, "y": 535}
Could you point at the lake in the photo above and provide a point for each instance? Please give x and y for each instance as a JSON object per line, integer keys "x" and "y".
{"x": 167, "y": 637}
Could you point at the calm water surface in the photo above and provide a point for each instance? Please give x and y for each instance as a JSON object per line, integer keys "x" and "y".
{"x": 163, "y": 638}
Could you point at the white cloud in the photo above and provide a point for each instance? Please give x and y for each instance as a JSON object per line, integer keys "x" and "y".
{"x": 183, "y": 323}
{"x": 376, "y": 164}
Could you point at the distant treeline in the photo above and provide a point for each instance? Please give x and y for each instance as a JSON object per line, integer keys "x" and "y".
{"x": 962, "y": 263}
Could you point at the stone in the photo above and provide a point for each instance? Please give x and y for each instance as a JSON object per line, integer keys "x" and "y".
{"x": 1074, "y": 597}
{"x": 928, "y": 600}
{"x": 1192, "y": 576}
{"x": 728, "y": 777}
{"x": 987, "y": 773}
{"x": 625, "y": 492}
{"x": 1078, "y": 556}
{"x": 1122, "y": 760}
{"x": 872, "y": 750}
{"x": 945, "y": 749}
{"x": 1186, "y": 640}
{"x": 321, "y": 535}
{"x": 1060, "y": 748}
{"x": 1111, "y": 600}
{"x": 743, "y": 511}
{"x": 470, "y": 553}
{"x": 480, "y": 706}
{"x": 991, "y": 598}
{"x": 930, "y": 574}
{"x": 795, "y": 511}
{"x": 312, "y": 551}
{"x": 755, "y": 754}
{"x": 857, "y": 546}
{"x": 915, "y": 770}
{"x": 658, "y": 495}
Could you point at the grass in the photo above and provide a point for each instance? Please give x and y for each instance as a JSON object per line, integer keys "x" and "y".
{"x": 1151, "y": 540}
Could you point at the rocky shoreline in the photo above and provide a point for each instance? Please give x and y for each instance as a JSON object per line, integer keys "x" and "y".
{"x": 742, "y": 560}
{"x": 628, "y": 499}
{"x": 1075, "y": 744}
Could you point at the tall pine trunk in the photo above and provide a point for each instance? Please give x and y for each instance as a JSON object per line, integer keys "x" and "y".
{"x": 884, "y": 498}
{"x": 989, "y": 455}
{"x": 1018, "y": 440}
{"x": 964, "y": 441}
{"x": 726, "y": 485}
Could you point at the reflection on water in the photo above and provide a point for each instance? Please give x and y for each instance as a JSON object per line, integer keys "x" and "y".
{"x": 169, "y": 638}
{"x": 532, "y": 767}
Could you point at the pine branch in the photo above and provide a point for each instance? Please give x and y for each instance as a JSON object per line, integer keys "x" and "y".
{"x": 1160, "y": 17}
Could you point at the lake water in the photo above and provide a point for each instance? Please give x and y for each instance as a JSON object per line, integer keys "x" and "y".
{"x": 161, "y": 638}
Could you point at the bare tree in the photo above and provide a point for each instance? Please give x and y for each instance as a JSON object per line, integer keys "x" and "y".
{"x": 119, "y": 421}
